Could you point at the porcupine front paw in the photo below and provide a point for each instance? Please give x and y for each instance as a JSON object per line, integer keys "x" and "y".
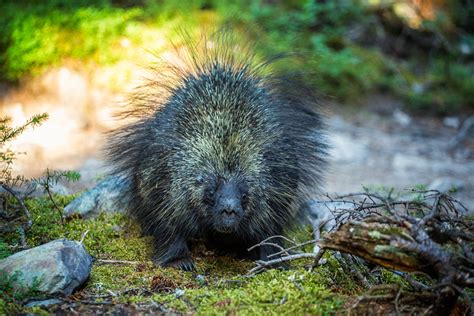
{"x": 183, "y": 263}
{"x": 177, "y": 255}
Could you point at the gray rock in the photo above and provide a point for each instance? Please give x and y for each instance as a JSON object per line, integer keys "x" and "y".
{"x": 105, "y": 196}
{"x": 201, "y": 279}
{"x": 55, "y": 268}
{"x": 465, "y": 48}
{"x": 401, "y": 118}
{"x": 179, "y": 293}
{"x": 446, "y": 184}
{"x": 418, "y": 88}
{"x": 452, "y": 121}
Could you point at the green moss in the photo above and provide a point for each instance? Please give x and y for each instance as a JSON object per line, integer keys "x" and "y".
{"x": 221, "y": 287}
{"x": 218, "y": 286}
{"x": 4, "y": 250}
{"x": 375, "y": 234}
{"x": 10, "y": 297}
{"x": 295, "y": 291}
{"x": 271, "y": 292}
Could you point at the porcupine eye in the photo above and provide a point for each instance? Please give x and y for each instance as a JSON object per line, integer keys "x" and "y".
{"x": 244, "y": 197}
{"x": 199, "y": 180}
{"x": 208, "y": 189}
{"x": 209, "y": 194}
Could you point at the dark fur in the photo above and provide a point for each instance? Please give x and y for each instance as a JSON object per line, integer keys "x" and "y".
{"x": 218, "y": 115}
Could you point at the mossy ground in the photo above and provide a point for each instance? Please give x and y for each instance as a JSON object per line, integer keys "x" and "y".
{"x": 218, "y": 285}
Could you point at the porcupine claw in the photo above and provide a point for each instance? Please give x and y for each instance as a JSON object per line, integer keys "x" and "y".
{"x": 185, "y": 263}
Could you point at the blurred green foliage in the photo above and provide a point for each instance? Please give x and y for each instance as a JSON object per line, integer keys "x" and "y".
{"x": 35, "y": 34}
{"x": 40, "y": 34}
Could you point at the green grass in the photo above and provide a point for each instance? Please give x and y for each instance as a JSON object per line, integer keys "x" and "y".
{"x": 39, "y": 36}
{"x": 36, "y": 35}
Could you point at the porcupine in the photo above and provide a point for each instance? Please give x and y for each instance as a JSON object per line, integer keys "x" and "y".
{"x": 223, "y": 149}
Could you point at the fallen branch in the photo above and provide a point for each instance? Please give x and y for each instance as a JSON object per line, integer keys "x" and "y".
{"x": 262, "y": 265}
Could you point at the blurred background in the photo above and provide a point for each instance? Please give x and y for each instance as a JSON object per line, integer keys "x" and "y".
{"x": 396, "y": 78}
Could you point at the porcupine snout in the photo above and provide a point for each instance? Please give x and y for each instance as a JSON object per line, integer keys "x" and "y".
{"x": 228, "y": 209}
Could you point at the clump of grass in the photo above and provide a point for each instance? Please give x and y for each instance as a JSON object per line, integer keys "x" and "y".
{"x": 36, "y": 35}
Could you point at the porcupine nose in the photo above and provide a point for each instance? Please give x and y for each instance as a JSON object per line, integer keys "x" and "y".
{"x": 231, "y": 207}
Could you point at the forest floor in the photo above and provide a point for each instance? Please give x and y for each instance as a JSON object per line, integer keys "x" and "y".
{"x": 124, "y": 281}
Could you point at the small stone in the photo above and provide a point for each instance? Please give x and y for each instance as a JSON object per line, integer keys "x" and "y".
{"x": 105, "y": 196}
{"x": 465, "y": 48}
{"x": 178, "y": 293}
{"x": 418, "y": 88}
{"x": 55, "y": 268}
{"x": 322, "y": 261}
{"x": 201, "y": 279}
{"x": 401, "y": 118}
{"x": 451, "y": 121}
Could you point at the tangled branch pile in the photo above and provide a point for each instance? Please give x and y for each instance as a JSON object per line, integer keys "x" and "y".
{"x": 430, "y": 234}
